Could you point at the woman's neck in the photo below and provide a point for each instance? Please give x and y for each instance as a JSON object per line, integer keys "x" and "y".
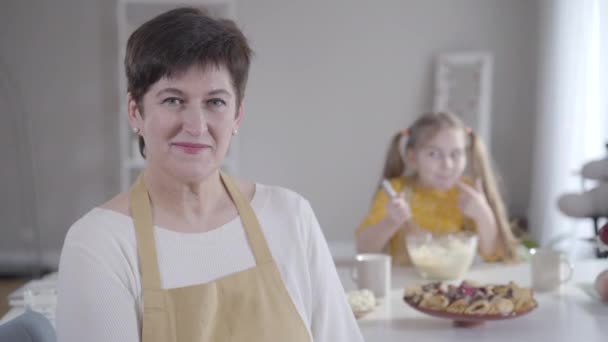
{"x": 173, "y": 199}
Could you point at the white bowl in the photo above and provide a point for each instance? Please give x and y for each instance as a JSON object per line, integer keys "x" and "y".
{"x": 442, "y": 257}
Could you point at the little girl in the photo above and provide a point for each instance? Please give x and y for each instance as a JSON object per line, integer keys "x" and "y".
{"x": 425, "y": 165}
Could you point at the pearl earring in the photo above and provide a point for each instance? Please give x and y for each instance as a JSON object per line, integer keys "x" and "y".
{"x": 235, "y": 131}
{"x": 136, "y": 130}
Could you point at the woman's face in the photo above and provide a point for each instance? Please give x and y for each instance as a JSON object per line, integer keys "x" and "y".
{"x": 187, "y": 121}
{"x": 441, "y": 160}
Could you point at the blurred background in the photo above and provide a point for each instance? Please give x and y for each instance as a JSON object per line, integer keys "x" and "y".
{"x": 330, "y": 83}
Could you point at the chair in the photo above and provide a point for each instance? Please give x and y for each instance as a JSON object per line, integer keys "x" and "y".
{"x": 29, "y": 327}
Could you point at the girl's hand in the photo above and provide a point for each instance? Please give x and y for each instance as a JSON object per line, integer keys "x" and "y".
{"x": 397, "y": 210}
{"x": 472, "y": 201}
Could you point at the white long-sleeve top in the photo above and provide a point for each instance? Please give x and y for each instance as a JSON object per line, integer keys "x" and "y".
{"x": 100, "y": 297}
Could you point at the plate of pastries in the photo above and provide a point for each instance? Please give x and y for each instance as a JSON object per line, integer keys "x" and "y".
{"x": 471, "y": 303}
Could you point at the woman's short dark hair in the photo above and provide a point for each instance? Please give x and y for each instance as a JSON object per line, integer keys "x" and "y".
{"x": 176, "y": 40}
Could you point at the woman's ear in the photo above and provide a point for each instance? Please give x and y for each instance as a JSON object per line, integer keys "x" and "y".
{"x": 239, "y": 116}
{"x": 239, "y": 113}
{"x": 133, "y": 113}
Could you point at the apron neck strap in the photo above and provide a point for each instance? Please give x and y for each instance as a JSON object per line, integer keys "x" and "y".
{"x": 144, "y": 232}
{"x": 257, "y": 242}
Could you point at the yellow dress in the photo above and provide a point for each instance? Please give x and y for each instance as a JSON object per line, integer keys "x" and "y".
{"x": 433, "y": 210}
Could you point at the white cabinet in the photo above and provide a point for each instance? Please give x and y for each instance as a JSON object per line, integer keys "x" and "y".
{"x": 130, "y": 14}
{"x": 463, "y": 86}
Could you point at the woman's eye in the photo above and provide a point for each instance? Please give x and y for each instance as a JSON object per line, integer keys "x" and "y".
{"x": 217, "y": 102}
{"x": 173, "y": 101}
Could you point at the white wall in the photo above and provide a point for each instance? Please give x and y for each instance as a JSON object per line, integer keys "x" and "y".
{"x": 61, "y": 56}
{"x": 571, "y": 103}
{"x": 333, "y": 80}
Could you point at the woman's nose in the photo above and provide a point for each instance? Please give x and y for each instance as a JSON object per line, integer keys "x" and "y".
{"x": 195, "y": 121}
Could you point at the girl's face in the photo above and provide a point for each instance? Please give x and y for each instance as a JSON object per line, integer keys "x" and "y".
{"x": 440, "y": 161}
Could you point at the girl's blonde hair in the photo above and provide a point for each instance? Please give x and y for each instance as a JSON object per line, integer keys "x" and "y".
{"x": 479, "y": 167}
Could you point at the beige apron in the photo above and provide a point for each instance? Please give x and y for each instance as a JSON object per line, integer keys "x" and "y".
{"x": 251, "y": 305}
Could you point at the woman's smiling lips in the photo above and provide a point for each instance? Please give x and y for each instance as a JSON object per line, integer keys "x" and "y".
{"x": 190, "y": 148}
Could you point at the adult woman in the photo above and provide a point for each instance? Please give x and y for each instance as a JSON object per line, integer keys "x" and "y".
{"x": 189, "y": 253}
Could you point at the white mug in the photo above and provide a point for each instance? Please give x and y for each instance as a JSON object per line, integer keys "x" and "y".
{"x": 373, "y": 272}
{"x": 547, "y": 269}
